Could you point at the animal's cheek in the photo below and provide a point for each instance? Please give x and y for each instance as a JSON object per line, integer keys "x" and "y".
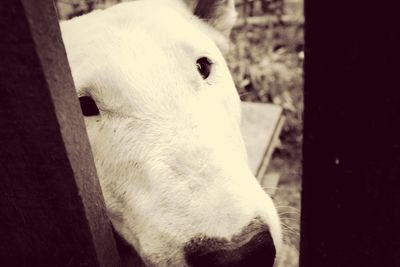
{"x": 115, "y": 211}
{"x": 94, "y": 125}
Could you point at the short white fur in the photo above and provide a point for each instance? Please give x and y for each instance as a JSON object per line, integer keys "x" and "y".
{"x": 167, "y": 143}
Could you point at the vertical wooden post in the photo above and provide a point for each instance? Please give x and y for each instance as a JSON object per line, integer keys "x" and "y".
{"x": 51, "y": 207}
{"x": 351, "y": 178}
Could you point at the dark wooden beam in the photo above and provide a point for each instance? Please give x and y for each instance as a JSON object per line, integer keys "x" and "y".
{"x": 351, "y": 178}
{"x": 51, "y": 206}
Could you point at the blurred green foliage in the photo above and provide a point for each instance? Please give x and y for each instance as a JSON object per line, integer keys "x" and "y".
{"x": 266, "y": 64}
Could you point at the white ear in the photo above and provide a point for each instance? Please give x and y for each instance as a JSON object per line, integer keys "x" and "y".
{"x": 220, "y": 14}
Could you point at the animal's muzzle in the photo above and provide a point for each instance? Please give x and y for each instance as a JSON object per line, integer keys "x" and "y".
{"x": 250, "y": 248}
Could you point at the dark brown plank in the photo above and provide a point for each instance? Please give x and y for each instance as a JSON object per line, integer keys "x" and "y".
{"x": 51, "y": 207}
{"x": 351, "y": 162}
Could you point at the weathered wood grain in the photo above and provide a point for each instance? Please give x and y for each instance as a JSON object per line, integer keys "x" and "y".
{"x": 51, "y": 207}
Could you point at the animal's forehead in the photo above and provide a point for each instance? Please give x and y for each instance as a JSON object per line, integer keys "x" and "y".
{"x": 135, "y": 51}
{"x": 166, "y": 24}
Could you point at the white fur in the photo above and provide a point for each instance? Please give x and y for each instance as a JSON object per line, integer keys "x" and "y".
{"x": 167, "y": 144}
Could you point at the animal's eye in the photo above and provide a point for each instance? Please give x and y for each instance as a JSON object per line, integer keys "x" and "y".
{"x": 88, "y": 106}
{"x": 203, "y": 65}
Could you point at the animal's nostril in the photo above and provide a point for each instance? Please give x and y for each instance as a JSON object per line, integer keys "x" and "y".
{"x": 257, "y": 250}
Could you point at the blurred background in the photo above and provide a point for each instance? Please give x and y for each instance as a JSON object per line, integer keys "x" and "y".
{"x": 266, "y": 62}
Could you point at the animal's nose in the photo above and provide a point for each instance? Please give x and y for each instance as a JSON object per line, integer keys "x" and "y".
{"x": 250, "y": 249}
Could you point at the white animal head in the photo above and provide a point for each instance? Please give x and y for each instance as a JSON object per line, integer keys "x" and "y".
{"x": 166, "y": 142}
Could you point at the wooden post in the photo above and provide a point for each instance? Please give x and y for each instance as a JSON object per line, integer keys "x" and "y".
{"x": 51, "y": 206}
{"x": 351, "y": 177}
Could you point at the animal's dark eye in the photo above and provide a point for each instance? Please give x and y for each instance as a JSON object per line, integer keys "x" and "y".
{"x": 88, "y": 106}
{"x": 203, "y": 65}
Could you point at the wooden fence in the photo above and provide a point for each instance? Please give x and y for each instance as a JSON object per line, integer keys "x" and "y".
{"x": 51, "y": 206}
{"x": 351, "y": 153}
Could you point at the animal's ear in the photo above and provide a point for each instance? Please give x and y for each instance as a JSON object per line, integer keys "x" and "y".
{"x": 220, "y": 14}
